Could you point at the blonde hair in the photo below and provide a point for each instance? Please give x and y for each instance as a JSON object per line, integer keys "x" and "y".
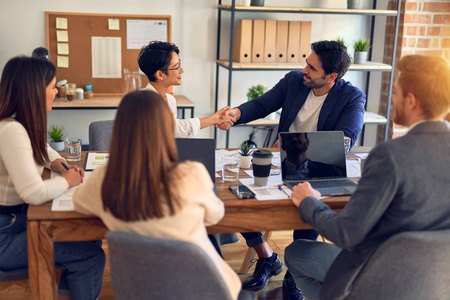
{"x": 428, "y": 79}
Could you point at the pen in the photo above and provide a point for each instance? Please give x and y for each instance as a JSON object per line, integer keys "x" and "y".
{"x": 65, "y": 166}
{"x": 280, "y": 187}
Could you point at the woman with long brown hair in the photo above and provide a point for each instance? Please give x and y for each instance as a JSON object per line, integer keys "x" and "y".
{"x": 145, "y": 190}
{"x": 27, "y": 91}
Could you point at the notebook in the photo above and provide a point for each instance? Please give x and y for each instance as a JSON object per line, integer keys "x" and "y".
{"x": 316, "y": 157}
{"x": 201, "y": 150}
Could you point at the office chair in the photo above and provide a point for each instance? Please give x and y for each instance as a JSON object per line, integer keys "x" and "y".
{"x": 409, "y": 265}
{"x": 100, "y": 133}
{"x": 145, "y": 267}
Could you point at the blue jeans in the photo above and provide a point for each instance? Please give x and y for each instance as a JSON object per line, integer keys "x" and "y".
{"x": 309, "y": 262}
{"x": 84, "y": 261}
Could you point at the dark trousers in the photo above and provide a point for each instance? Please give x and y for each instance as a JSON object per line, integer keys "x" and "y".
{"x": 256, "y": 238}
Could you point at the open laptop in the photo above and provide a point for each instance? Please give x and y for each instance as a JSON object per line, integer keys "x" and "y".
{"x": 201, "y": 150}
{"x": 316, "y": 157}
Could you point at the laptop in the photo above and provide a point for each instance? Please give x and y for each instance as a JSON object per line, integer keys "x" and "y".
{"x": 316, "y": 157}
{"x": 201, "y": 150}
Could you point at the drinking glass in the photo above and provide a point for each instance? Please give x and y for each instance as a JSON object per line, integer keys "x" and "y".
{"x": 73, "y": 149}
{"x": 230, "y": 169}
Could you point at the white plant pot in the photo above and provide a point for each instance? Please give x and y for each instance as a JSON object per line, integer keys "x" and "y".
{"x": 57, "y": 146}
{"x": 360, "y": 57}
{"x": 246, "y": 162}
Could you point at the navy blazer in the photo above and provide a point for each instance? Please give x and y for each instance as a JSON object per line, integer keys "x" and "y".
{"x": 343, "y": 109}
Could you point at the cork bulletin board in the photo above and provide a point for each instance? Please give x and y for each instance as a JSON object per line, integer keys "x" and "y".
{"x": 69, "y": 41}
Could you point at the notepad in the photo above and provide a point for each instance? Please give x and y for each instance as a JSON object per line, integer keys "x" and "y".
{"x": 94, "y": 160}
{"x": 64, "y": 201}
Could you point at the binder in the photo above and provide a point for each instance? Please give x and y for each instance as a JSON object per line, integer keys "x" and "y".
{"x": 293, "y": 42}
{"x": 242, "y": 49}
{"x": 305, "y": 41}
{"x": 281, "y": 44}
{"x": 258, "y": 41}
{"x": 270, "y": 39}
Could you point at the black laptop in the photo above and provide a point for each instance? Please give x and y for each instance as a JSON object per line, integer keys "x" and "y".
{"x": 201, "y": 150}
{"x": 316, "y": 157}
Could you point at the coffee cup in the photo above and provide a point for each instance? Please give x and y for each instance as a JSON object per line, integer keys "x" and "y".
{"x": 262, "y": 161}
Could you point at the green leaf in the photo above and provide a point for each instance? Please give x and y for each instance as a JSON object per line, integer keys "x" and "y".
{"x": 361, "y": 45}
{"x": 57, "y": 133}
{"x": 255, "y": 91}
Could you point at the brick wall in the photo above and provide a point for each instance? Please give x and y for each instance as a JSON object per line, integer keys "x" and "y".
{"x": 424, "y": 29}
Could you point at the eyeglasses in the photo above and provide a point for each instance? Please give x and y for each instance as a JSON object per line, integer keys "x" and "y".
{"x": 178, "y": 68}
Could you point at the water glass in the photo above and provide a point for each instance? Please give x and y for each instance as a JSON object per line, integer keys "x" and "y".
{"x": 73, "y": 149}
{"x": 230, "y": 168}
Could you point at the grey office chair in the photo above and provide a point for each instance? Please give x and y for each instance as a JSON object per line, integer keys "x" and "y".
{"x": 145, "y": 267}
{"x": 410, "y": 265}
{"x": 100, "y": 133}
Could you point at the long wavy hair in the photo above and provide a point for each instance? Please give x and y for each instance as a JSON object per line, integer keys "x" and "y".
{"x": 142, "y": 155}
{"x": 23, "y": 96}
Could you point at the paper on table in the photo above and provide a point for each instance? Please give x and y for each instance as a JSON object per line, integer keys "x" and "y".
{"x": 268, "y": 192}
{"x": 273, "y": 172}
{"x": 276, "y": 160}
{"x": 95, "y": 160}
{"x": 64, "y": 201}
{"x": 220, "y": 154}
{"x": 353, "y": 168}
{"x": 362, "y": 155}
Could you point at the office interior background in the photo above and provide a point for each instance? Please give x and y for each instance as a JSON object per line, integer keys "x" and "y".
{"x": 426, "y": 30}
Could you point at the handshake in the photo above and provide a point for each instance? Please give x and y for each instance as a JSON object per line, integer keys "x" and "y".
{"x": 226, "y": 117}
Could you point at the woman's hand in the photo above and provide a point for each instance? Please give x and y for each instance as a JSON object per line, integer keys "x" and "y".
{"x": 73, "y": 177}
{"x": 59, "y": 165}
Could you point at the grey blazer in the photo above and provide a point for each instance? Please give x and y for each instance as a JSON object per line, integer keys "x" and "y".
{"x": 405, "y": 187}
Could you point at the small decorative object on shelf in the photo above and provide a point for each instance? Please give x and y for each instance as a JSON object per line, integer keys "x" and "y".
{"x": 361, "y": 48}
{"x": 255, "y": 91}
{"x": 341, "y": 41}
{"x": 57, "y": 134}
{"x": 245, "y": 151}
{"x": 353, "y": 4}
{"x": 257, "y": 3}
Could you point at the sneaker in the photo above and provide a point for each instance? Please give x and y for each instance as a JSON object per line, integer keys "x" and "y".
{"x": 263, "y": 271}
{"x": 290, "y": 289}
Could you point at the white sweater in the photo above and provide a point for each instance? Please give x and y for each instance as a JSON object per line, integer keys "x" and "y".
{"x": 200, "y": 207}
{"x": 185, "y": 128}
{"x": 20, "y": 176}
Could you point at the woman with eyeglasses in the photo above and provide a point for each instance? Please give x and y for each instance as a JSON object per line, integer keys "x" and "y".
{"x": 27, "y": 91}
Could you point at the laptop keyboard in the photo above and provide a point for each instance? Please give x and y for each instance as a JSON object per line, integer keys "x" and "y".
{"x": 331, "y": 183}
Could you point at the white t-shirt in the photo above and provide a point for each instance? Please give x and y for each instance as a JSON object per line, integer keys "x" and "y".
{"x": 20, "y": 176}
{"x": 185, "y": 128}
{"x": 308, "y": 116}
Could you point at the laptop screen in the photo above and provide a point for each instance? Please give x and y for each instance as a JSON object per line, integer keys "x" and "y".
{"x": 312, "y": 155}
{"x": 201, "y": 150}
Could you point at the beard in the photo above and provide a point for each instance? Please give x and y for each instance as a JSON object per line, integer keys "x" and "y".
{"x": 314, "y": 84}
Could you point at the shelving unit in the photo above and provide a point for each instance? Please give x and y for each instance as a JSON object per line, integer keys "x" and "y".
{"x": 228, "y": 64}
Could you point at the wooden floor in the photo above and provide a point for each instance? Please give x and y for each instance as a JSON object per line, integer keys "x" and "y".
{"x": 233, "y": 255}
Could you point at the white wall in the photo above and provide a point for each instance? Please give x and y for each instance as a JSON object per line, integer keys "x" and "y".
{"x": 194, "y": 30}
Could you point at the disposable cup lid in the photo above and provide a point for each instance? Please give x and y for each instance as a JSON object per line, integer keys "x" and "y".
{"x": 61, "y": 83}
{"x": 262, "y": 153}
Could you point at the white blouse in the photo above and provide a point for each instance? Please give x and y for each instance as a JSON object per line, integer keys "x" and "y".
{"x": 20, "y": 176}
{"x": 185, "y": 128}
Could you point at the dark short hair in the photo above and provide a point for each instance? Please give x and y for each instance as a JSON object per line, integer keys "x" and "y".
{"x": 156, "y": 56}
{"x": 334, "y": 57}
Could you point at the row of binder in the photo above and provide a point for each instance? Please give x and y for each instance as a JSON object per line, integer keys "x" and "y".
{"x": 271, "y": 41}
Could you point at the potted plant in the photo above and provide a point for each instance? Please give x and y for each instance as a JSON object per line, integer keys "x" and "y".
{"x": 361, "y": 48}
{"x": 245, "y": 151}
{"x": 57, "y": 135}
{"x": 340, "y": 40}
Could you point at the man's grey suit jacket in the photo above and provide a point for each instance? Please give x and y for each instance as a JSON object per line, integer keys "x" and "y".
{"x": 405, "y": 187}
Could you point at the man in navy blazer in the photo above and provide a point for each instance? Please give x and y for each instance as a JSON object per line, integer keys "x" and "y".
{"x": 315, "y": 99}
{"x": 404, "y": 187}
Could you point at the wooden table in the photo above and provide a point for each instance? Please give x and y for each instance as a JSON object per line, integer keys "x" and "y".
{"x": 45, "y": 227}
{"x": 112, "y": 102}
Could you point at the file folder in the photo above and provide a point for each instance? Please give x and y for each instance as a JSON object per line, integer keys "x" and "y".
{"x": 293, "y": 42}
{"x": 281, "y": 45}
{"x": 305, "y": 41}
{"x": 242, "y": 49}
{"x": 270, "y": 40}
{"x": 258, "y": 41}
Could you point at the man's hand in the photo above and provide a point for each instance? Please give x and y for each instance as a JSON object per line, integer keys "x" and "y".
{"x": 223, "y": 118}
{"x": 276, "y": 144}
{"x": 303, "y": 190}
{"x": 232, "y": 114}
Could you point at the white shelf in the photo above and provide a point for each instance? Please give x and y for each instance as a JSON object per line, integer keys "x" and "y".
{"x": 369, "y": 66}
